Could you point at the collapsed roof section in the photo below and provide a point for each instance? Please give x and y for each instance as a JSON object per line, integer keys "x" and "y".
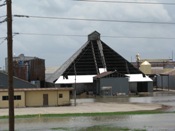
{"x": 91, "y": 57}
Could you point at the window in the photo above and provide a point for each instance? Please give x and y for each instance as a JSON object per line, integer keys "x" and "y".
{"x": 5, "y": 98}
{"x": 18, "y": 97}
{"x": 60, "y": 95}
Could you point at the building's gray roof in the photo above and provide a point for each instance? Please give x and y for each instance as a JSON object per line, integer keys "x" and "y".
{"x": 17, "y": 82}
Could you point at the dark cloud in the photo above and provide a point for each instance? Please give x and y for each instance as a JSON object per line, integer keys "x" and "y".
{"x": 56, "y": 49}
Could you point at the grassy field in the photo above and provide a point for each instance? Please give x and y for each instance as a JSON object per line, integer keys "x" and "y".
{"x": 98, "y": 128}
{"x": 88, "y": 114}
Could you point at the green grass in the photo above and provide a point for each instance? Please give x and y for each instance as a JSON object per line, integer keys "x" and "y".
{"x": 60, "y": 128}
{"x": 88, "y": 114}
{"x": 99, "y": 128}
{"x": 104, "y": 128}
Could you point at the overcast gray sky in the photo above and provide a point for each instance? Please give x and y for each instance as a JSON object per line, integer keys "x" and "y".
{"x": 57, "y": 49}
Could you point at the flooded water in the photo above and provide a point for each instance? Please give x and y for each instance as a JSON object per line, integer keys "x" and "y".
{"x": 151, "y": 122}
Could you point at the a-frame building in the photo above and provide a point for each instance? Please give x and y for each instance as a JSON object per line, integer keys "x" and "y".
{"x": 90, "y": 60}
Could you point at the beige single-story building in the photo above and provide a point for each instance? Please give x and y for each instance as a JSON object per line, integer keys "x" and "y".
{"x": 37, "y": 97}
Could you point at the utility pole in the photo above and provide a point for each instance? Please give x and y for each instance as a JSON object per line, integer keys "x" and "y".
{"x": 75, "y": 87}
{"x": 10, "y": 66}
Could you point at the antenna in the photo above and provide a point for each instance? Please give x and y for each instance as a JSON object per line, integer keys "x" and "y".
{"x": 172, "y": 55}
{"x": 137, "y": 60}
{"x": 137, "y": 57}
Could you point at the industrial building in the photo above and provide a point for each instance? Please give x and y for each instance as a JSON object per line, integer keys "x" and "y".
{"x": 37, "y": 97}
{"x": 162, "y": 71}
{"x": 92, "y": 59}
{"x": 111, "y": 84}
{"x": 31, "y": 69}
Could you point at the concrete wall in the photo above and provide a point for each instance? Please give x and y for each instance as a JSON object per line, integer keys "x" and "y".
{"x": 17, "y": 103}
{"x": 65, "y": 100}
{"x": 35, "y": 98}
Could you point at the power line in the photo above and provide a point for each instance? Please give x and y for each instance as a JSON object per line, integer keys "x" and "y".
{"x": 3, "y": 21}
{"x": 97, "y": 20}
{"x": 127, "y": 2}
{"x": 3, "y": 40}
{"x": 3, "y": 4}
{"x": 69, "y": 35}
{"x": 2, "y": 37}
{"x": 142, "y": 37}
{"x": 16, "y": 33}
{"x": 2, "y": 16}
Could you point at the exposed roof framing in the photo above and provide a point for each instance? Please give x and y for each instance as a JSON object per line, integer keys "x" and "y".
{"x": 94, "y": 54}
{"x": 109, "y": 75}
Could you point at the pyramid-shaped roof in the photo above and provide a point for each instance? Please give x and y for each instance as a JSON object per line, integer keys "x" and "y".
{"x": 91, "y": 57}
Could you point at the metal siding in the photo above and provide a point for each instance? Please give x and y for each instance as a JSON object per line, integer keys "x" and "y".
{"x": 20, "y": 69}
{"x": 21, "y": 72}
{"x": 37, "y": 69}
{"x": 119, "y": 85}
{"x": 162, "y": 82}
{"x": 172, "y": 82}
{"x": 133, "y": 86}
{"x": 150, "y": 87}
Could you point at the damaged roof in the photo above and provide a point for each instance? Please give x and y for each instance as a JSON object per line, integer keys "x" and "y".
{"x": 92, "y": 56}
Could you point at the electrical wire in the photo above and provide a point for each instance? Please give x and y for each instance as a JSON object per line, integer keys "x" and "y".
{"x": 127, "y": 2}
{"x": 16, "y": 33}
{"x": 3, "y": 4}
{"x": 3, "y": 21}
{"x": 97, "y": 20}
{"x": 3, "y": 40}
{"x": 2, "y": 37}
{"x": 142, "y": 37}
{"x": 69, "y": 35}
{"x": 2, "y": 16}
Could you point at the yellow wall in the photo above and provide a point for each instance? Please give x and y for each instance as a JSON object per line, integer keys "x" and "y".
{"x": 65, "y": 100}
{"x": 17, "y": 103}
{"x": 35, "y": 98}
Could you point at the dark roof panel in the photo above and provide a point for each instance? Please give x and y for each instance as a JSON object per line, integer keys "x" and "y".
{"x": 94, "y": 54}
